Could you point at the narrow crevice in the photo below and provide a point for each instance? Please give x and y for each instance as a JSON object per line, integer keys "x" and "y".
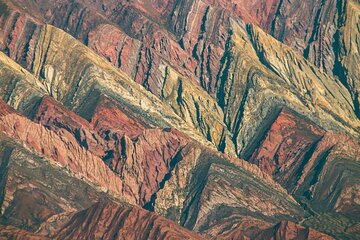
{"x": 164, "y": 82}
{"x": 222, "y": 143}
{"x": 320, "y": 163}
{"x": 305, "y": 160}
{"x": 150, "y": 205}
{"x": 138, "y": 61}
{"x": 198, "y": 114}
{"x": 261, "y": 133}
{"x": 119, "y": 63}
{"x": 208, "y": 69}
{"x": 223, "y": 73}
{"x": 315, "y": 30}
{"x": 191, "y": 207}
{"x": 240, "y": 112}
{"x": 277, "y": 14}
{"x": 5, "y": 154}
{"x": 148, "y": 71}
{"x": 179, "y": 93}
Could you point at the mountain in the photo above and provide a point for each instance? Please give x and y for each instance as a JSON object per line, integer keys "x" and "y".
{"x": 154, "y": 119}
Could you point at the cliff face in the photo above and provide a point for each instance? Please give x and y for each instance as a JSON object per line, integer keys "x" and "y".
{"x": 153, "y": 104}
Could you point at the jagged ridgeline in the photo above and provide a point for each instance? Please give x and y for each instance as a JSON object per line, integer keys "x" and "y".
{"x": 160, "y": 119}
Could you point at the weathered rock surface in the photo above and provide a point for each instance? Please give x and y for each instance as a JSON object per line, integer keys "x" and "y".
{"x": 287, "y": 142}
{"x": 273, "y": 82}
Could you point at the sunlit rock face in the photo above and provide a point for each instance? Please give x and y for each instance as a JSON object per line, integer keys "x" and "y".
{"x": 163, "y": 119}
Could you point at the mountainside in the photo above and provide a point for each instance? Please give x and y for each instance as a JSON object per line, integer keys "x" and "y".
{"x": 154, "y": 119}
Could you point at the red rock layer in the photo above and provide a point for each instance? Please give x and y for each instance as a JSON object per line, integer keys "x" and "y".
{"x": 285, "y": 146}
{"x": 63, "y": 149}
{"x": 140, "y": 157}
{"x": 17, "y": 34}
{"x": 114, "y": 221}
{"x": 308, "y": 162}
{"x": 290, "y": 230}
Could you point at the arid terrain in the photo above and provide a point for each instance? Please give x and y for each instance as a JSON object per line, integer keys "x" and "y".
{"x": 180, "y": 119}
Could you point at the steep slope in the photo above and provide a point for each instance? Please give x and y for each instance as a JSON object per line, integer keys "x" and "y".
{"x": 62, "y": 149}
{"x": 141, "y": 157}
{"x": 289, "y": 230}
{"x": 114, "y": 221}
{"x": 212, "y": 79}
{"x": 320, "y": 31}
{"x": 10, "y": 232}
{"x": 210, "y": 193}
{"x": 347, "y": 50}
{"x": 38, "y": 192}
{"x": 33, "y": 189}
{"x": 260, "y": 78}
{"x": 197, "y": 41}
{"x": 311, "y": 32}
{"x": 319, "y": 168}
{"x": 132, "y": 169}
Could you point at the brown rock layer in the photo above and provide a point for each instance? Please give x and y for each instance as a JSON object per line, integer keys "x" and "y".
{"x": 9, "y": 232}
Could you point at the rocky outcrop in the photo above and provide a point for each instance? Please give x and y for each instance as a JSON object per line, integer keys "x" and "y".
{"x": 308, "y": 27}
{"x": 260, "y": 78}
{"x": 170, "y": 94}
{"x": 18, "y": 87}
{"x": 57, "y": 122}
{"x": 137, "y": 170}
{"x": 29, "y": 182}
{"x": 284, "y": 230}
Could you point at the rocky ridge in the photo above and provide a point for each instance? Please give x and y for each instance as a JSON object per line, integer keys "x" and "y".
{"x": 213, "y": 79}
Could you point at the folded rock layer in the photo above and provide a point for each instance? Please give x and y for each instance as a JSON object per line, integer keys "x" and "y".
{"x": 159, "y": 119}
